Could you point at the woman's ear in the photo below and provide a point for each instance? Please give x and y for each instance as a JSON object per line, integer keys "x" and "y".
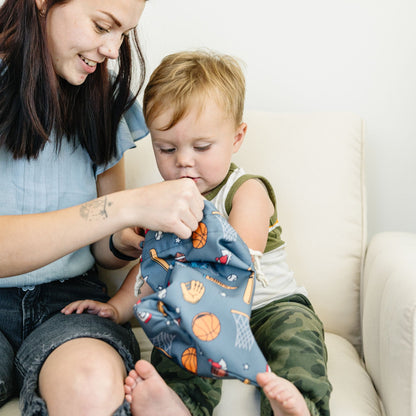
{"x": 239, "y": 136}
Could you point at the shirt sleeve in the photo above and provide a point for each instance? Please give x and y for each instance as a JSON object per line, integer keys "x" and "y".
{"x": 132, "y": 127}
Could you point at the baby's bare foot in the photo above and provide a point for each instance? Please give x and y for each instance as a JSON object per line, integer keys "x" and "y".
{"x": 149, "y": 395}
{"x": 284, "y": 397}
{"x": 130, "y": 383}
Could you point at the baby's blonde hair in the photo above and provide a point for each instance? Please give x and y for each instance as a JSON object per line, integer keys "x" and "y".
{"x": 185, "y": 79}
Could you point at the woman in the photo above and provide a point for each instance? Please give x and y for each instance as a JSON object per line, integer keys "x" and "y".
{"x": 65, "y": 122}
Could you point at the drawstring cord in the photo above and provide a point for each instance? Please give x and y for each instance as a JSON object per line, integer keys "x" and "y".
{"x": 139, "y": 281}
{"x": 256, "y": 257}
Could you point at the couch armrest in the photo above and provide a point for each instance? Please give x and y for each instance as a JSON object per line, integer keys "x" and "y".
{"x": 388, "y": 319}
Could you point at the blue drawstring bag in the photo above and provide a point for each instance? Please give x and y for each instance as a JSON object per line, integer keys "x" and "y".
{"x": 200, "y": 312}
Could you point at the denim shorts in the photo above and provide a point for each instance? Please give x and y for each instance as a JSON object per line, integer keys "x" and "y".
{"x": 32, "y": 326}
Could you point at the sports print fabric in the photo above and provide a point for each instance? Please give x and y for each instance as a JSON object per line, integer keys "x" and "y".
{"x": 200, "y": 312}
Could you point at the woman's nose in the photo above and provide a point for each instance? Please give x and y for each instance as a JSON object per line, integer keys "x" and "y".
{"x": 110, "y": 47}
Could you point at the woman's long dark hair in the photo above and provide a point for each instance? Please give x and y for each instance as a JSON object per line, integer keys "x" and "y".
{"x": 34, "y": 101}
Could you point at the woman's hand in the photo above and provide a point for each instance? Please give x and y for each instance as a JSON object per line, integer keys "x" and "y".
{"x": 172, "y": 206}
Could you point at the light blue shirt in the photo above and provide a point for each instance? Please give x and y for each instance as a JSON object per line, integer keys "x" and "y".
{"x": 57, "y": 180}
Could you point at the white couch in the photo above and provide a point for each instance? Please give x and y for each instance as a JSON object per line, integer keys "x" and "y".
{"x": 365, "y": 298}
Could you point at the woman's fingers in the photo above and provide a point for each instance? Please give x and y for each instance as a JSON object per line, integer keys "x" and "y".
{"x": 172, "y": 206}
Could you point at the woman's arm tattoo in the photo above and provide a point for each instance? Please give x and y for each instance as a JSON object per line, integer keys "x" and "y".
{"x": 95, "y": 210}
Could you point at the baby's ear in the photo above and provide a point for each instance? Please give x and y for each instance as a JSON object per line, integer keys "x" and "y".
{"x": 239, "y": 136}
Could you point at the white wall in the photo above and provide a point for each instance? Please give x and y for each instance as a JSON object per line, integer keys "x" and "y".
{"x": 322, "y": 55}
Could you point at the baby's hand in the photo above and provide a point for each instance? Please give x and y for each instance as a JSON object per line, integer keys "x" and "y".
{"x": 105, "y": 310}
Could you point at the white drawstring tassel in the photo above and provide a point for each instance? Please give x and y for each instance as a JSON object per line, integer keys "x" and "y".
{"x": 256, "y": 257}
{"x": 139, "y": 282}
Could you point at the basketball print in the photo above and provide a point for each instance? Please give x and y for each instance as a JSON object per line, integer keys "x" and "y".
{"x": 206, "y": 326}
{"x": 199, "y": 236}
{"x": 189, "y": 360}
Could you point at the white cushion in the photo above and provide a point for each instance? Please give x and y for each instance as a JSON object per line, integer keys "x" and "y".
{"x": 353, "y": 392}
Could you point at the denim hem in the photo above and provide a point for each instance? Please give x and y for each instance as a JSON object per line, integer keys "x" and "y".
{"x": 37, "y": 407}
{"x": 123, "y": 410}
{"x": 61, "y": 329}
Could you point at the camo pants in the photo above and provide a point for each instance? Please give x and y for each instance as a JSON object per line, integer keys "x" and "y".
{"x": 291, "y": 338}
